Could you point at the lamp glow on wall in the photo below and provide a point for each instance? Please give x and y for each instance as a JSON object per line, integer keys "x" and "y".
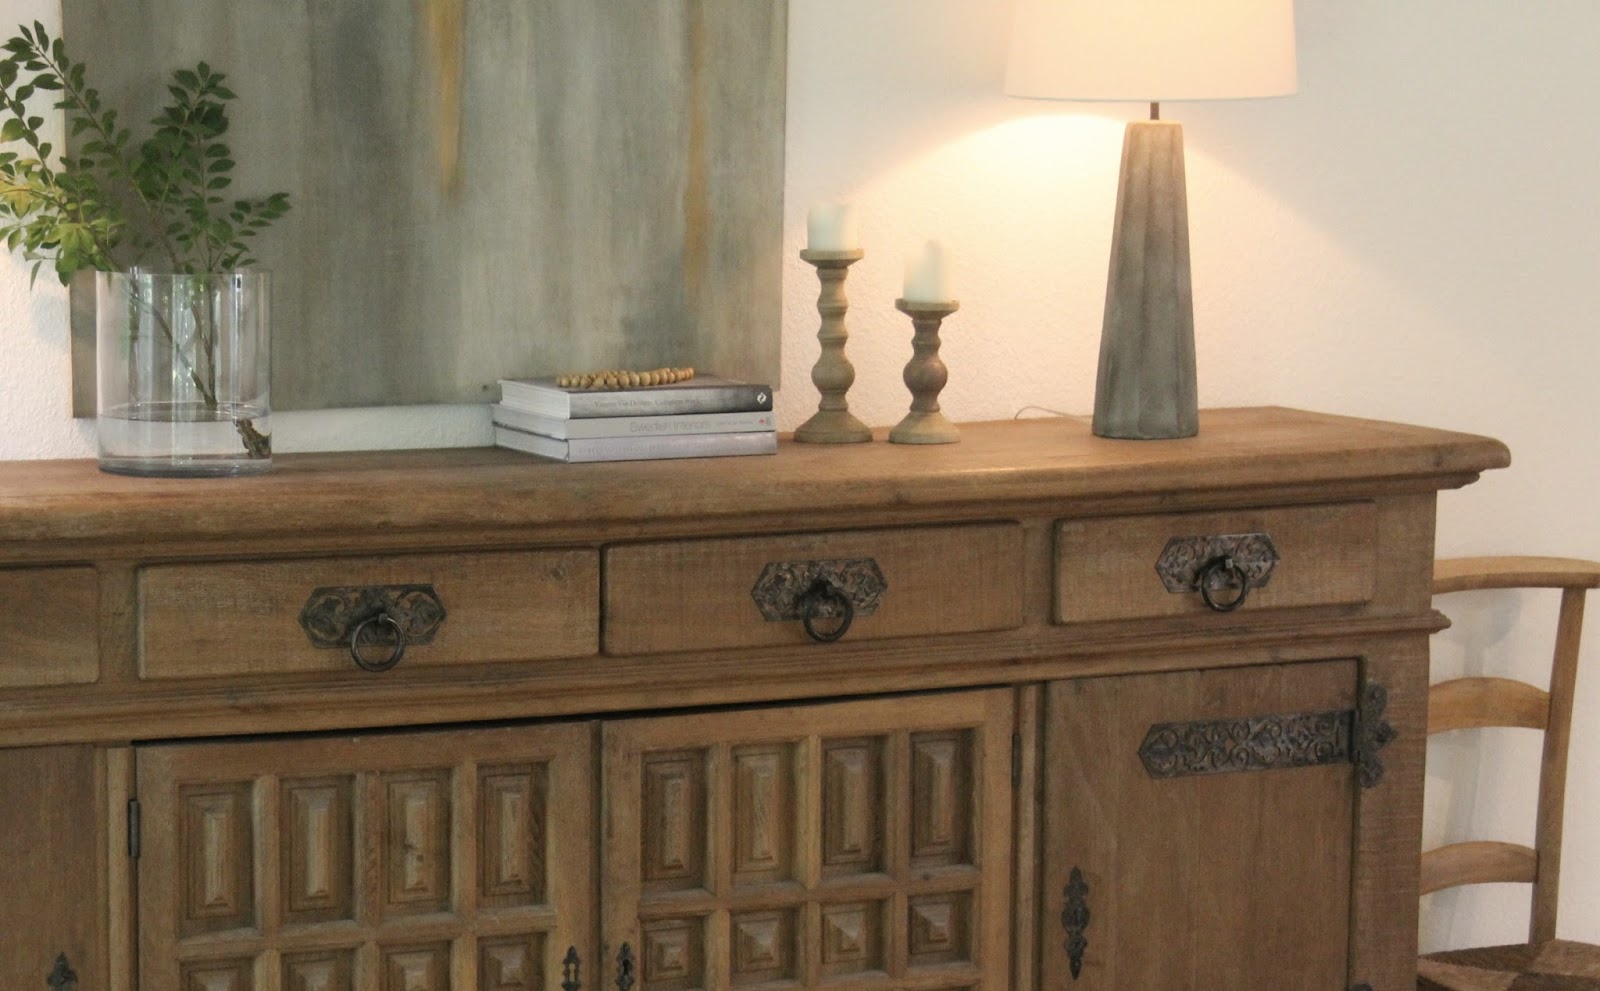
{"x": 1150, "y": 51}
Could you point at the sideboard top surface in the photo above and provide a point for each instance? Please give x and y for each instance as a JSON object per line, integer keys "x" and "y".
{"x": 489, "y": 490}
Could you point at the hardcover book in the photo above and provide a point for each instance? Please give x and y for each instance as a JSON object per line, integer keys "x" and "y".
{"x": 648, "y": 448}
{"x": 701, "y": 394}
{"x": 562, "y": 428}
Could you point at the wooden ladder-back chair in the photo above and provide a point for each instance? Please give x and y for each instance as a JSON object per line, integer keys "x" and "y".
{"x": 1543, "y": 962}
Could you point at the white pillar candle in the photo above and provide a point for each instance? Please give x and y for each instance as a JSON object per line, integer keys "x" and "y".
{"x": 832, "y": 227}
{"x": 928, "y": 275}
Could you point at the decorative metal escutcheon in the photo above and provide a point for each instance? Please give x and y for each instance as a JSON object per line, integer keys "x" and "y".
{"x": 1274, "y": 742}
{"x": 1238, "y": 562}
{"x": 62, "y": 977}
{"x": 1075, "y": 919}
{"x": 357, "y": 616}
{"x": 836, "y": 590}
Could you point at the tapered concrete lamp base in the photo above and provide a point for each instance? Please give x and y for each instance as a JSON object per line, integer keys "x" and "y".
{"x": 1145, "y": 389}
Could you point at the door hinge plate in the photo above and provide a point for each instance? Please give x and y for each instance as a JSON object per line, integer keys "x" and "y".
{"x": 134, "y": 828}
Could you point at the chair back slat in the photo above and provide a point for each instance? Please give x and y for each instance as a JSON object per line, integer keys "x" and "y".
{"x": 1466, "y": 574}
{"x": 1472, "y": 702}
{"x": 1475, "y": 703}
{"x": 1478, "y": 862}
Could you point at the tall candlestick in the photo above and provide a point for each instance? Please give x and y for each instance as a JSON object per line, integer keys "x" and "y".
{"x": 832, "y": 227}
{"x": 925, "y": 375}
{"x": 928, "y": 275}
{"x": 833, "y": 423}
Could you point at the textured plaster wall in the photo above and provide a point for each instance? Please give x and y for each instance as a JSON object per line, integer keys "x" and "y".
{"x": 1415, "y": 236}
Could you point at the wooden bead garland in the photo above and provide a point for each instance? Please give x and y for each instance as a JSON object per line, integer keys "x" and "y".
{"x": 613, "y": 378}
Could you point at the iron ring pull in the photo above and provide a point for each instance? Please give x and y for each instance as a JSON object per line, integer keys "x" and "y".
{"x": 1222, "y": 565}
{"x": 362, "y": 661}
{"x": 812, "y": 602}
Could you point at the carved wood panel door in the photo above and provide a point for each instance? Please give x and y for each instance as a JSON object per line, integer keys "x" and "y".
{"x": 1193, "y": 836}
{"x": 857, "y": 845}
{"x": 420, "y": 861}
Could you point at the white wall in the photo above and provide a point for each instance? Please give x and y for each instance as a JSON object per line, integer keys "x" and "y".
{"x": 1415, "y": 236}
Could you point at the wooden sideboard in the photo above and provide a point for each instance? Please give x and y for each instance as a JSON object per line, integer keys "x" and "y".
{"x": 619, "y": 749}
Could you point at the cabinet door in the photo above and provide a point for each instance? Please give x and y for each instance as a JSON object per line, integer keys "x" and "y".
{"x": 857, "y": 845}
{"x": 1226, "y": 863}
{"x": 402, "y": 862}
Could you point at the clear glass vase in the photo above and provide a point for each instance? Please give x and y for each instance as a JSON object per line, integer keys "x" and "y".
{"x": 182, "y": 367}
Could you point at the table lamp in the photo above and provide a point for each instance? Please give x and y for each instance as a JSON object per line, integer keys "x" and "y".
{"x": 1150, "y": 51}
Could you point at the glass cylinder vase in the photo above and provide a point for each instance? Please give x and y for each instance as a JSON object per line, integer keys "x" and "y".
{"x": 182, "y": 367}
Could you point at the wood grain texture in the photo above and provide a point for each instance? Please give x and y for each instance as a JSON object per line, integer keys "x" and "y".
{"x": 402, "y": 498}
{"x": 1471, "y": 703}
{"x": 862, "y": 844}
{"x": 365, "y": 858}
{"x": 1462, "y": 574}
{"x": 1477, "y": 862}
{"x": 884, "y": 832}
{"x": 1106, "y": 568}
{"x": 52, "y": 833}
{"x": 1226, "y": 880}
{"x": 446, "y": 187}
{"x": 1553, "y": 965}
{"x": 47, "y": 632}
{"x": 241, "y": 619}
{"x": 944, "y": 580}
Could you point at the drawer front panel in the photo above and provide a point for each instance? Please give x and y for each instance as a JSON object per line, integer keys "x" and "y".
{"x": 199, "y": 620}
{"x": 697, "y": 594}
{"x": 1111, "y": 569}
{"x": 49, "y": 628}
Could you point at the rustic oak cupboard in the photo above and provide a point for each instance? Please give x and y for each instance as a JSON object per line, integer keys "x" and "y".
{"x": 1037, "y": 710}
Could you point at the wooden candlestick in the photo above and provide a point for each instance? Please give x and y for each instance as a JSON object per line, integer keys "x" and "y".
{"x": 925, "y": 375}
{"x": 833, "y": 423}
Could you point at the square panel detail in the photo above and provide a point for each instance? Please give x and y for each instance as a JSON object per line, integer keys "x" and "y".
{"x": 416, "y": 842}
{"x": 763, "y": 814}
{"x": 512, "y": 814}
{"x": 511, "y": 963}
{"x": 415, "y": 968}
{"x": 674, "y": 954}
{"x": 763, "y": 947}
{"x": 939, "y": 929}
{"x": 852, "y": 807}
{"x": 941, "y": 798}
{"x": 216, "y": 847}
{"x": 324, "y": 971}
{"x": 218, "y": 975}
{"x": 317, "y": 849}
{"x": 852, "y": 938}
{"x": 672, "y": 828}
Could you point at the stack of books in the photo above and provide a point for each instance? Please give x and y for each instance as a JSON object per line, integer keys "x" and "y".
{"x": 701, "y": 417}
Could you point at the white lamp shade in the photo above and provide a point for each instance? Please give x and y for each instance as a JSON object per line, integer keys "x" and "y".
{"x": 1152, "y": 50}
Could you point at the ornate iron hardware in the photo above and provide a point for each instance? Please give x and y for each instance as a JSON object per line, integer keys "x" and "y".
{"x": 838, "y": 590}
{"x": 625, "y": 979}
{"x": 569, "y": 970}
{"x": 62, "y": 976}
{"x": 1075, "y": 919}
{"x": 1372, "y": 734}
{"x": 1233, "y": 563}
{"x": 362, "y": 616}
{"x": 1273, "y": 742}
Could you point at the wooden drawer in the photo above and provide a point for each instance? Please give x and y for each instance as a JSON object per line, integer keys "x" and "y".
{"x": 49, "y": 628}
{"x": 245, "y": 619}
{"x": 698, "y": 594}
{"x": 1110, "y": 569}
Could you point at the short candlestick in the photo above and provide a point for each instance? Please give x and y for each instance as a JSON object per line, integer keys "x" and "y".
{"x": 833, "y": 423}
{"x": 925, "y": 375}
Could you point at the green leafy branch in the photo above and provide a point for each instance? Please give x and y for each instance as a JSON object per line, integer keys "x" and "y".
{"x": 116, "y": 203}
